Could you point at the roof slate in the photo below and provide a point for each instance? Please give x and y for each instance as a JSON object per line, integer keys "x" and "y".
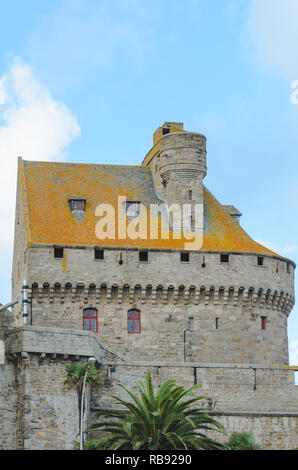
{"x": 48, "y": 186}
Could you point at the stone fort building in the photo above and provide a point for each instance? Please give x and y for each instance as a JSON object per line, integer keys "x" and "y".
{"x": 214, "y": 313}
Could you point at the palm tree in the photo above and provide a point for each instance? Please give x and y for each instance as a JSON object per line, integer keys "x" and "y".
{"x": 75, "y": 378}
{"x": 157, "y": 421}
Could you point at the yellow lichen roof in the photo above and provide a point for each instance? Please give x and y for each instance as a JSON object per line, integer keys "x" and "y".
{"x": 49, "y": 186}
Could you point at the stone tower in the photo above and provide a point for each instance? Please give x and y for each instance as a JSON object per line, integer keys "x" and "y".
{"x": 215, "y": 315}
{"x": 178, "y": 164}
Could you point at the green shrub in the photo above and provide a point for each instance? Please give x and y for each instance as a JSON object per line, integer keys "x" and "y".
{"x": 242, "y": 441}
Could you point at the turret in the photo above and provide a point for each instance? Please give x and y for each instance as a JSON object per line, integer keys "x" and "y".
{"x": 178, "y": 163}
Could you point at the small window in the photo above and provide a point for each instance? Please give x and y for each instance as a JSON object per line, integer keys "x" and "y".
{"x": 134, "y": 321}
{"x": 224, "y": 258}
{"x": 98, "y": 254}
{"x": 90, "y": 320}
{"x": 216, "y": 323}
{"x": 77, "y": 204}
{"x": 189, "y": 195}
{"x": 143, "y": 256}
{"x": 288, "y": 268}
{"x": 132, "y": 208}
{"x": 190, "y": 324}
{"x": 184, "y": 257}
{"x": 165, "y": 130}
{"x": 58, "y": 253}
{"x": 264, "y": 323}
{"x": 260, "y": 261}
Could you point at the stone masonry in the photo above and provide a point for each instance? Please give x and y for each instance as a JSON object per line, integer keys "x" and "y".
{"x": 214, "y": 315}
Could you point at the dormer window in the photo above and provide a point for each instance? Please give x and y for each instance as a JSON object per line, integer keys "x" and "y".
{"x": 132, "y": 208}
{"x": 77, "y": 204}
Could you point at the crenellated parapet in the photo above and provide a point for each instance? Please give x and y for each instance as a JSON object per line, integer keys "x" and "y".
{"x": 170, "y": 294}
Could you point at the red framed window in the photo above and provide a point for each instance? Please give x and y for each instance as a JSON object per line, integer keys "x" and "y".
{"x": 134, "y": 321}
{"x": 264, "y": 323}
{"x": 90, "y": 320}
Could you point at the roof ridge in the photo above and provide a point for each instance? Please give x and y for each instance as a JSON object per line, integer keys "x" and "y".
{"x": 81, "y": 164}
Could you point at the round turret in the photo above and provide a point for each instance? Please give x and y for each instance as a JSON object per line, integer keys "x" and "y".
{"x": 182, "y": 155}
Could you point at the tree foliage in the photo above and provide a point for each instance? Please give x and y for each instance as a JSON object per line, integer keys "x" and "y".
{"x": 75, "y": 373}
{"x": 154, "y": 421}
{"x": 242, "y": 441}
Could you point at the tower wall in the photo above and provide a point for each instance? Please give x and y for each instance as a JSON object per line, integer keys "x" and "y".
{"x": 223, "y": 302}
{"x": 179, "y": 168}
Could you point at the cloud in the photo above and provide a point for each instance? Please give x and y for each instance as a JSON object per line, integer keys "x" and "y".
{"x": 272, "y": 26}
{"x": 2, "y": 93}
{"x": 32, "y": 125}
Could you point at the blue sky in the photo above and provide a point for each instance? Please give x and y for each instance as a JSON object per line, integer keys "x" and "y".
{"x": 90, "y": 81}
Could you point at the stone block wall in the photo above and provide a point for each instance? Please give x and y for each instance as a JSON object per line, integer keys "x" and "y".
{"x": 8, "y": 407}
{"x": 49, "y": 416}
{"x": 273, "y": 431}
{"x": 243, "y": 398}
{"x": 36, "y": 410}
{"x": 223, "y": 301}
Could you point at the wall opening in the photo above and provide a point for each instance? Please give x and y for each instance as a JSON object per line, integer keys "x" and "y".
{"x": 58, "y": 252}
{"x": 134, "y": 321}
{"x": 288, "y": 268}
{"x": 190, "y": 324}
{"x": 224, "y": 258}
{"x": 184, "y": 257}
{"x": 90, "y": 320}
{"x": 143, "y": 256}
{"x": 98, "y": 254}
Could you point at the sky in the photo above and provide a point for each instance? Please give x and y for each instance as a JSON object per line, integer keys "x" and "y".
{"x": 90, "y": 80}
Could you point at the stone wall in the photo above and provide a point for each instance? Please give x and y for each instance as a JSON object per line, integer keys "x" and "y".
{"x": 36, "y": 410}
{"x": 8, "y": 407}
{"x": 21, "y": 238}
{"x": 243, "y": 398}
{"x": 49, "y": 416}
{"x": 178, "y": 167}
{"x": 231, "y": 387}
{"x": 56, "y": 341}
{"x": 224, "y": 300}
{"x": 273, "y": 431}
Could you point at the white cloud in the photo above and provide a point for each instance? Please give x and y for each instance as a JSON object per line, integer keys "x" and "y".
{"x": 2, "y": 93}
{"x": 272, "y": 26}
{"x": 32, "y": 125}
